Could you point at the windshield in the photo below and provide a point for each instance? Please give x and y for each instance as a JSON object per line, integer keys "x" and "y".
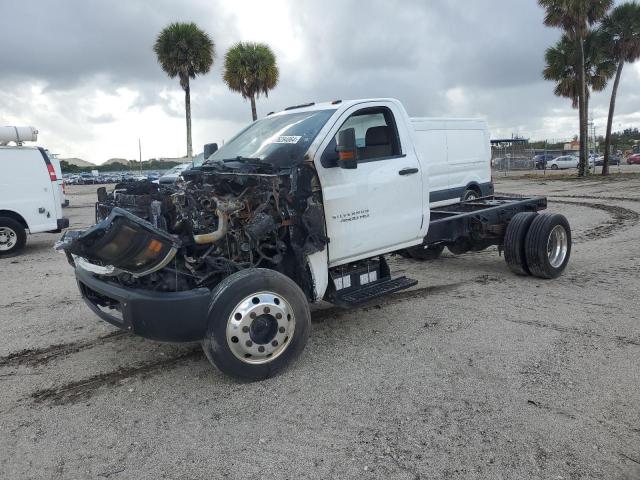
{"x": 281, "y": 140}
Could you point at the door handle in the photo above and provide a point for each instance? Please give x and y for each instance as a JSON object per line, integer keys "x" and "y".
{"x": 408, "y": 171}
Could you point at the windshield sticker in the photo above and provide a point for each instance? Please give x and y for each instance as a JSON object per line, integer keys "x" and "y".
{"x": 287, "y": 139}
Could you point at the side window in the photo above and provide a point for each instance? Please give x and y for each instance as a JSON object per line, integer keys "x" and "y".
{"x": 376, "y": 136}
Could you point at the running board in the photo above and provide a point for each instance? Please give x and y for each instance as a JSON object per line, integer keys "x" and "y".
{"x": 358, "y": 296}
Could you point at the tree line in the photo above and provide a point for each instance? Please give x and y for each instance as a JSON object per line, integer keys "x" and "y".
{"x": 185, "y": 51}
{"x": 596, "y": 43}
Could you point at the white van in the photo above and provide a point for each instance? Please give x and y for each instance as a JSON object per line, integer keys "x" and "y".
{"x": 58, "y": 168}
{"x": 458, "y": 155}
{"x": 30, "y": 197}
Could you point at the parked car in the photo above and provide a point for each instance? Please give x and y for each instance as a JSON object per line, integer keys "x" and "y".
{"x": 153, "y": 176}
{"x": 540, "y": 161}
{"x": 613, "y": 160}
{"x": 633, "y": 159}
{"x": 563, "y": 162}
{"x": 30, "y": 197}
{"x": 172, "y": 175}
{"x": 60, "y": 181}
{"x": 86, "y": 179}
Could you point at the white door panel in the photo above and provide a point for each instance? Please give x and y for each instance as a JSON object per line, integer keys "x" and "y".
{"x": 378, "y": 211}
{"x": 372, "y": 209}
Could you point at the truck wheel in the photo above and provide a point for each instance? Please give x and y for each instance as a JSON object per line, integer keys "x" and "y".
{"x": 470, "y": 194}
{"x": 548, "y": 245}
{"x": 422, "y": 252}
{"x": 13, "y": 237}
{"x": 514, "y": 239}
{"x": 259, "y": 321}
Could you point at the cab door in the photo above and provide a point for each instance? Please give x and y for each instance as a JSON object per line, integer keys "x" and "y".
{"x": 378, "y": 206}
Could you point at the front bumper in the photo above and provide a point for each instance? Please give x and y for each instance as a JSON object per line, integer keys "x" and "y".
{"x": 164, "y": 316}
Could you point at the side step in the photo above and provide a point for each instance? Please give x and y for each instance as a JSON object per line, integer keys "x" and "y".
{"x": 359, "y": 295}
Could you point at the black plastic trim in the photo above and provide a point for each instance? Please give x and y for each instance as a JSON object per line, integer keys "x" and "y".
{"x": 486, "y": 189}
{"x": 164, "y": 316}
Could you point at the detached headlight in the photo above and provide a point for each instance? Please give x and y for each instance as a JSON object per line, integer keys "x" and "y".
{"x": 125, "y": 242}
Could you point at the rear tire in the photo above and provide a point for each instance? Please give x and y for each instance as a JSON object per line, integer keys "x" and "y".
{"x": 548, "y": 245}
{"x": 13, "y": 237}
{"x": 422, "y": 252}
{"x": 514, "y": 239}
{"x": 259, "y": 322}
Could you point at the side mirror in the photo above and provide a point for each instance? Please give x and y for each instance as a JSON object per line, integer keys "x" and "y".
{"x": 210, "y": 149}
{"x": 347, "y": 151}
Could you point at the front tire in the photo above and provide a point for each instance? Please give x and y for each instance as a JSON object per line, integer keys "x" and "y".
{"x": 259, "y": 322}
{"x": 13, "y": 237}
{"x": 554, "y": 167}
{"x": 548, "y": 245}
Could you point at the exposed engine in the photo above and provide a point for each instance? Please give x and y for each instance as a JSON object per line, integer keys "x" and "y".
{"x": 223, "y": 219}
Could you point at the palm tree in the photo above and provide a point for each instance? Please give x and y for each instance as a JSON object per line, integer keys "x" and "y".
{"x": 621, "y": 28}
{"x": 562, "y": 67}
{"x": 575, "y": 17}
{"x": 250, "y": 68}
{"x": 184, "y": 51}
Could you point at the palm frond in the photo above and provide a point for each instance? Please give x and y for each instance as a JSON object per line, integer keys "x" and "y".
{"x": 250, "y": 69}
{"x": 621, "y": 30}
{"x": 562, "y": 65}
{"x": 183, "y": 50}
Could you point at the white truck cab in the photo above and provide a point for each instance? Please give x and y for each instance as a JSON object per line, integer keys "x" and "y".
{"x": 30, "y": 197}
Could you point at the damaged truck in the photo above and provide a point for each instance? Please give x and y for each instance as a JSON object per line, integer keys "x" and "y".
{"x": 301, "y": 206}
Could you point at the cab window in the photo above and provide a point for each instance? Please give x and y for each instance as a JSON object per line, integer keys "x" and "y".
{"x": 376, "y": 136}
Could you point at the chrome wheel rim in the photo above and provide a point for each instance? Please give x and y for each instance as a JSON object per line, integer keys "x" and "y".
{"x": 260, "y": 328}
{"x": 8, "y": 239}
{"x": 557, "y": 246}
{"x": 470, "y": 196}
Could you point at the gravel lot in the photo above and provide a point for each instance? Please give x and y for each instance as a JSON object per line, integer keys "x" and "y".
{"x": 476, "y": 373}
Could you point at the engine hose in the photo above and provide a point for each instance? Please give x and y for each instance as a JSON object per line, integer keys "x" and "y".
{"x": 217, "y": 234}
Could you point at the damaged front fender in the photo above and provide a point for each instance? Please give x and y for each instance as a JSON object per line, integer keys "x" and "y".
{"x": 122, "y": 242}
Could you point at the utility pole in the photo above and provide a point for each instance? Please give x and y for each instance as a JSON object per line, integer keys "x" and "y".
{"x": 140, "y": 153}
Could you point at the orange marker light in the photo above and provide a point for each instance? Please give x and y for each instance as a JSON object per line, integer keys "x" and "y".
{"x": 155, "y": 246}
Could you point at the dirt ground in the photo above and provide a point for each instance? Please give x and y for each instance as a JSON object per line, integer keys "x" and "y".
{"x": 476, "y": 373}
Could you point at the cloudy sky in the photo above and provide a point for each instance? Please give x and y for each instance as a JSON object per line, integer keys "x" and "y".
{"x": 83, "y": 71}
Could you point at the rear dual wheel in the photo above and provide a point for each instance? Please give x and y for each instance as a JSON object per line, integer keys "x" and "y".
{"x": 259, "y": 322}
{"x": 538, "y": 245}
{"x": 514, "y": 239}
{"x": 548, "y": 245}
